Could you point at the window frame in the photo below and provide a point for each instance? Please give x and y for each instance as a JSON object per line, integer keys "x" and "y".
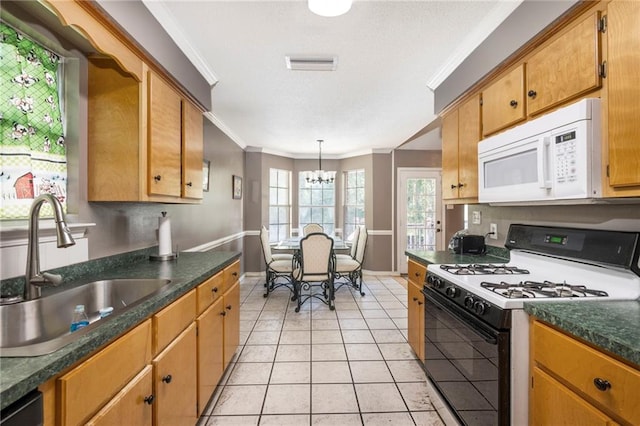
{"x": 349, "y": 223}
{"x": 276, "y": 232}
{"x": 322, "y": 213}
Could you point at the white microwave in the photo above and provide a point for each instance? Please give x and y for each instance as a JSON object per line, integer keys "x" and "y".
{"x": 554, "y": 157}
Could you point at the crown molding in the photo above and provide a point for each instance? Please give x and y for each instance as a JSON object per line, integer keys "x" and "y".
{"x": 225, "y": 129}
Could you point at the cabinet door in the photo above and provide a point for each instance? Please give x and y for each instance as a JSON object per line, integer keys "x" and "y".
{"x": 192, "y": 150}
{"x": 468, "y": 138}
{"x": 164, "y": 145}
{"x": 623, "y": 87}
{"x": 175, "y": 381}
{"x": 450, "y": 156}
{"x": 231, "y": 322}
{"x": 503, "y": 102}
{"x": 209, "y": 291}
{"x": 552, "y": 403}
{"x": 210, "y": 352}
{"x": 132, "y": 406}
{"x": 566, "y": 68}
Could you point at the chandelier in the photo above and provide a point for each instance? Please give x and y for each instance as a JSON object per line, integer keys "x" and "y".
{"x": 329, "y": 8}
{"x": 320, "y": 176}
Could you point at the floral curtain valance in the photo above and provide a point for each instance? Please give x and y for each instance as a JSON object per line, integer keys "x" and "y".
{"x": 32, "y": 150}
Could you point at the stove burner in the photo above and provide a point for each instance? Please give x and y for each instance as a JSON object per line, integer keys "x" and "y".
{"x": 483, "y": 269}
{"x": 543, "y": 289}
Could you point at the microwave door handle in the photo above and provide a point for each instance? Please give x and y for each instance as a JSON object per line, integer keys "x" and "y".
{"x": 543, "y": 162}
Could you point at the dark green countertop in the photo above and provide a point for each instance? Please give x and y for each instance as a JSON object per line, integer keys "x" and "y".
{"x": 613, "y": 325}
{"x": 494, "y": 255}
{"x": 21, "y": 374}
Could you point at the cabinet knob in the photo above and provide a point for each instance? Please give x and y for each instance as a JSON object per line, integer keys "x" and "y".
{"x": 453, "y": 186}
{"x": 532, "y": 94}
{"x": 417, "y": 274}
{"x": 601, "y": 384}
{"x": 149, "y": 399}
{"x": 513, "y": 103}
{"x": 167, "y": 378}
{"x": 415, "y": 299}
{"x": 235, "y": 274}
{"x": 223, "y": 313}
{"x": 419, "y": 303}
{"x": 228, "y": 307}
{"x": 215, "y": 289}
{"x": 460, "y": 185}
{"x": 189, "y": 184}
{"x": 157, "y": 178}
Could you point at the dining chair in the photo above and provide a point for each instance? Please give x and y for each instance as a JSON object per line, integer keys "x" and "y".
{"x": 278, "y": 266}
{"x": 314, "y": 263}
{"x": 311, "y": 228}
{"x": 354, "y": 247}
{"x": 349, "y": 270}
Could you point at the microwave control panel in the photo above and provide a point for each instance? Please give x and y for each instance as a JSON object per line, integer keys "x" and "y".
{"x": 566, "y": 158}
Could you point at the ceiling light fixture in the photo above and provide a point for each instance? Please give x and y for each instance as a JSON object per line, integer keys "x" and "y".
{"x": 320, "y": 176}
{"x": 329, "y": 8}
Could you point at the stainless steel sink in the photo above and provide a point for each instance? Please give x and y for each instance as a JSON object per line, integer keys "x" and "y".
{"x": 41, "y": 326}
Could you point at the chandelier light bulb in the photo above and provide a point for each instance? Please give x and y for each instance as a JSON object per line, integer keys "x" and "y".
{"x": 330, "y": 8}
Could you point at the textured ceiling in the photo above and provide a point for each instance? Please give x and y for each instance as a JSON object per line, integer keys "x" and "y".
{"x": 388, "y": 53}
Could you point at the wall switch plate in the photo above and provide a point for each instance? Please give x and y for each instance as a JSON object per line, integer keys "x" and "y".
{"x": 476, "y": 217}
{"x": 494, "y": 229}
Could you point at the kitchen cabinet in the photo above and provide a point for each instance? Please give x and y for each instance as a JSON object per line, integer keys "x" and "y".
{"x": 192, "y": 151}
{"x": 622, "y": 106}
{"x": 460, "y": 137}
{"x": 231, "y": 304}
{"x": 415, "y": 306}
{"x": 210, "y": 350}
{"x": 588, "y": 387}
{"x": 565, "y": 68}
{"x": 503, "y": 102}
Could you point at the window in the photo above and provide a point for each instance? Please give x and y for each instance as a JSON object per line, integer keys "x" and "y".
{"x": 316, "y": 204}
{"x": 353, "y": 201}
{"x": 279, "y": 204}
{"x": 32, "y": 149}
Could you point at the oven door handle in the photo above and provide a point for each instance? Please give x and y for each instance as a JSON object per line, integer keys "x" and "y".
{"x": 482, "y": 333}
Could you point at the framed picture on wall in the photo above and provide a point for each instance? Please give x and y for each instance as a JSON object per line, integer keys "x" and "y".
{"x": 237, "y": 187}
{"x": 206, "y": 168}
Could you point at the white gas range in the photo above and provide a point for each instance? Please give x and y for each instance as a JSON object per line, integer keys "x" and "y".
{"x": 476, "y": 333}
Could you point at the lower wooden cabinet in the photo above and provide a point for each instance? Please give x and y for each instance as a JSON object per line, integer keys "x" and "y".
{"x": 415, "y": 315}
{"x": 210, "y": 351}
{"x": 175, "y": 381}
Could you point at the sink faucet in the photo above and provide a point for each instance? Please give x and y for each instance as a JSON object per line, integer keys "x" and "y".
{"x": 35, "y": 279}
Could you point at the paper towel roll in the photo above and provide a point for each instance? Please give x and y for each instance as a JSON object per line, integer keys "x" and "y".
{"x": 164, "y": 236}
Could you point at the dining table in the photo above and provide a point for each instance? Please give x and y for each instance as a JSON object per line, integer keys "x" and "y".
{"x": 293, "y": 243}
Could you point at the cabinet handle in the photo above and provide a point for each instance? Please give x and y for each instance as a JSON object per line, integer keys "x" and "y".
{"x": 453, "y": 186}
{"x": 189, "y": 184}
{"x": 167, "y": 378}
{"x": 223, "y": 313}
{"x": 419, "y": 303}
{"x": 157, "y": 178}
{"x": 460, "y": 185}
{"x": 235, "y": 274}
{"x": 228, "y": 307}
{"x": 532, "y": 94}
{"x": 215, "y": 289}
{"x": 149, "y": 399}
{"x": 415, "y": 299}
{"x": 601, "y": 384}
{"x": 513, "y": 103}
{"x": 417, "y": 274}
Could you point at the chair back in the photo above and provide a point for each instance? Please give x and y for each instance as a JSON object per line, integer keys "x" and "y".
{"x": 266, "y": 248}
{"x": 312, "y": 228}
{"x": 315, "y": 255}
{"x": 362, "y": 244}
{"x": 354, "y": 242}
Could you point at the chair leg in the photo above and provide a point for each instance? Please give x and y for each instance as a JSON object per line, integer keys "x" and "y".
{"x": 297, "y": 286}
{"x": 267, "y": 284}
{"x": 360, "y": 286}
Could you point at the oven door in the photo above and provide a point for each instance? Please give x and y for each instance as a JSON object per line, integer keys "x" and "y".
{"x": 467, "y": 361}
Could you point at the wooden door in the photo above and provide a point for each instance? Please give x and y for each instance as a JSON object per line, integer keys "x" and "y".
{"x": 231, "y": 322}
{"x": 165, "y": 134}
{"x": 192, "y": 151}
{"x": 468, "y": 138}
{"x": 450, "y": 156}
{"x": 623, "y": 87}
{"x": 566, "y": 68}
{"x": 503, "y": 102}
{"x": 175, "y": 381}
{"x": 131, "y": 406}
{"x": 210, "y": 352}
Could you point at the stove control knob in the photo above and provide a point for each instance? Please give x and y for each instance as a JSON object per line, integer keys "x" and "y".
{"x": 480, "y": 307}
{"x": 435, "y": 281}
{"x": 468, "y": 302}
{"x": 452, "y": 291}
{"x": 430, "y": 279}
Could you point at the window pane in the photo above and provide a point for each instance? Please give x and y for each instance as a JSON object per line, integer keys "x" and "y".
{"x": 283, "y": 196}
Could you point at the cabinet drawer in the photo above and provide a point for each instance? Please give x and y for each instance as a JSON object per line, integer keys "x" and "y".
{"x": 579, "y": 365}
{"x": 417, "y": 272}
{"x": 170, "y": 321}
{"x": 231, "y": 274}
{"x": 89, "y": 386}
{"x": 129, "y": 406}
{"x": 209, "y": 291}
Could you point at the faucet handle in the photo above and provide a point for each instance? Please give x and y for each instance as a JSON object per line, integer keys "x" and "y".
{"x": 47, "y": 278}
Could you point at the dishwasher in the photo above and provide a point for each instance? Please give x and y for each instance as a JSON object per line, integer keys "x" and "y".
{"x": 27, "y": 411}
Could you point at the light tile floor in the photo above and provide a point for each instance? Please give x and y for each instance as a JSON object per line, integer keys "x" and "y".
{"x": 351, "y": 366}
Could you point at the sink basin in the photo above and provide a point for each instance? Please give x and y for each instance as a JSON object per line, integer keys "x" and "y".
{"x": 41, "y": 326}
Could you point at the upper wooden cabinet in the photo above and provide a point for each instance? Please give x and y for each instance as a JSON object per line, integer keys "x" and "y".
{"x": 565, "y": 68}
{"x": 460, "y": 136}
{"x": 503, "y": 102}
{"x": 623, "y": 97}
{"x": 192, "y": 150}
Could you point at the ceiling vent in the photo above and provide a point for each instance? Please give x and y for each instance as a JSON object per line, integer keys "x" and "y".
{"x": 328, "y": 63}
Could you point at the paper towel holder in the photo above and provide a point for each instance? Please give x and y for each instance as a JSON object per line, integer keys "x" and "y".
{"x": 164, "y": 257}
